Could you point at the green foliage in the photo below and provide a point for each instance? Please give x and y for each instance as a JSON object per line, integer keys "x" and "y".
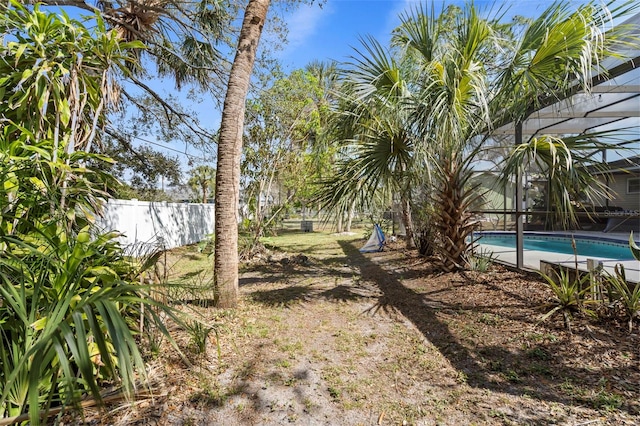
{"x": 145, "y": 168}
{"x": 569, "y": 165}
{"x": 417, "y": 116}
{"x": 68, "y": 294}
{"x": 569, "y": 294}
{"x": 611, "y": 294}
{"x": 624, "y": 293}
{"x": 480, "y": 261}
{"x": 286, "y": 147}
{"x": 202, "y": 181}
{"x": 199, "y": 334}
{"x": 58, "y": 76}
{"x": 635, "y": 250}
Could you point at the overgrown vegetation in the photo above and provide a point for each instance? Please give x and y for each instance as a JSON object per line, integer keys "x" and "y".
{"x": 610, "y": 295}
{"x": 416, "y": 116}
{"x": 70, "y": 300}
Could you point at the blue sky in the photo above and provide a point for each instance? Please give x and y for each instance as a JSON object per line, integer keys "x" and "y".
{"x": 330, "y": 32}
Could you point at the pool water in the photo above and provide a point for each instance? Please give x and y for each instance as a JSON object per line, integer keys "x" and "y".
{"x": 561, "y": 244}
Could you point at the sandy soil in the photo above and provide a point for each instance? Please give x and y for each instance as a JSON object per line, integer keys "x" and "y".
{"x": 335, "y": 337}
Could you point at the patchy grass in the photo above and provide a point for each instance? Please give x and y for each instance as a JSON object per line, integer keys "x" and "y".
{"x": 346, "y": 338}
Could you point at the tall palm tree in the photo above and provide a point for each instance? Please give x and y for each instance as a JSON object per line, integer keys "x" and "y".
{"x": 448, "y": 108}
{"x": 229, "y": 156}
{"x": 461, "y": 97}
{"x": 378, "y": 146}
{"x": 456, "y": 95}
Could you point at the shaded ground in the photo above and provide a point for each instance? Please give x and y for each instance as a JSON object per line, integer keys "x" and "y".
{"x": 335, "y": 337}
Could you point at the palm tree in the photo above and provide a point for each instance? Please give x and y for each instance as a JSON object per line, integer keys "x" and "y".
{"x": 229, "y": 156}
{"x": 202, "y": 180}
{"x": 572, "y": 173}
{"x": 461, "y": 96}
{"x": 454, "y": 93}
{"x": 180, "y": 37}
{"x": 553, "y": 59}
{"x": 378, "y": 146}
{"x": 448, "y": 108}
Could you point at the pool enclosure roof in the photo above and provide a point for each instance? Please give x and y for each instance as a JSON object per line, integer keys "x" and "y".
{"x": 612, "y": 104}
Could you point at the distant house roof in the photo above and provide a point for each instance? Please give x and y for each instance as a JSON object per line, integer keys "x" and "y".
{"x": 180, "y": 193}
{"x": 626, "y": 165}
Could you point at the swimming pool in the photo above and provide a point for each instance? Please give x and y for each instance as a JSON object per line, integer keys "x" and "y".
{"x": 585, "y": 245}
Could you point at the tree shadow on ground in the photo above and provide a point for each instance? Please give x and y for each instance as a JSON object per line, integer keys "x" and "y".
{"x": 490, "y": 367}
{"x": 283, "y": 297}
{"x": 274, "y": 271}
{"x": 292, "y": 295}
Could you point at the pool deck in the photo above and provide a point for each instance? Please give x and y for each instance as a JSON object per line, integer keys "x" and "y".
{"x": 532, "y": 258}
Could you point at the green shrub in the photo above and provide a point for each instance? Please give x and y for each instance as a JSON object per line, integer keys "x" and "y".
{"x": 69, "y": 297}
{"x": 624, "y": 294}
{"x": 569, "y": 295}
{"x": 68, "y": 294}
{"x": 480, "y": 261}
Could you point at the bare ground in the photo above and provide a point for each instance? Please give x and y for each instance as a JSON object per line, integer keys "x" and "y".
{"x": 336, "y": 337}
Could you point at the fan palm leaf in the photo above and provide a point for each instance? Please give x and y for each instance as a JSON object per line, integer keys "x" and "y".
{"x": 573, "y": 172}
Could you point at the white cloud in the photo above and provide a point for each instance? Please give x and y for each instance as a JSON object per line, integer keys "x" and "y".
{"x": 304, "y": 22}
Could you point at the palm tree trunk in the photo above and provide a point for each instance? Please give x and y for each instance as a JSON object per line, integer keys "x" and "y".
{"x": 225, "y": 284}
{"x": 407, "y": 222}
{"x": 339, "y": 216}
{"x": 352, "y": 208}
{"x": 453, "y": 220}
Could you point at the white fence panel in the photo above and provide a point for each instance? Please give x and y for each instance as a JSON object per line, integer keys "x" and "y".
{"x": 165, "y": 224}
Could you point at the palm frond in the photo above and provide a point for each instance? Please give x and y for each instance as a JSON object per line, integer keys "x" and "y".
{"x": 573, "y": 173}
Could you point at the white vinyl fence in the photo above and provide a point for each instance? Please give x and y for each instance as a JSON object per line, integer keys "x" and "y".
{"x": 162, "y": 224}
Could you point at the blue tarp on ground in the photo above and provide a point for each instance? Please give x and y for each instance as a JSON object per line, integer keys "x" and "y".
{"x": 376, "y": 241}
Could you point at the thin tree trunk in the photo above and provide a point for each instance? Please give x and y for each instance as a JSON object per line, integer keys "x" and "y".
{"x": 407, "y": 222}
{"x": 225, "y": 284}
{"x": 352, "y": 208}
{"x": 259, "y": 201}
{"x": 339, "y": 216}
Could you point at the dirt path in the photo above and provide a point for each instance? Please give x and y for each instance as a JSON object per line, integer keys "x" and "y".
{"x": 336, "y": 337}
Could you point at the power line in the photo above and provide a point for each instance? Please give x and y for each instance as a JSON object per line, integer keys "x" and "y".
{"x": 185, "y": 153}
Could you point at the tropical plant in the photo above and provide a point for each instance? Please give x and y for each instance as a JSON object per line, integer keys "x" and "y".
{"x": 182, "y": 38}
{"x": 460, "y": 75}
{"x": 202, "y": 181}
{"x": 635, "y": 250}
{"x": 58, "y": 77}
{"x": 569, "y": 294}
{"x": 624, "y": 293}
{"x": 573, "y": 174}
{"x": 68, "y": 293}
{"x": 479, "y": 261}
{"x": 225, "y": 285}
{"x": 66, "y": 320}
{"x": 376, "y": 157}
